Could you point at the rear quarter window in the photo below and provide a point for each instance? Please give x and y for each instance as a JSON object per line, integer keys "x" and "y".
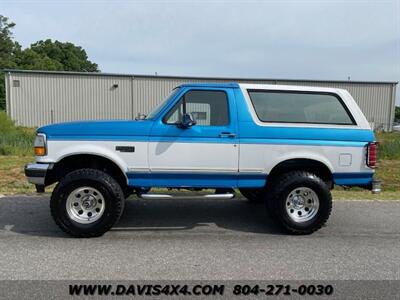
{"x": 300, "y": 107}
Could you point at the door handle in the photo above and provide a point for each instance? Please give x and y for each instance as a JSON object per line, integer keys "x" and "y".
{"x": 227, "y": 135}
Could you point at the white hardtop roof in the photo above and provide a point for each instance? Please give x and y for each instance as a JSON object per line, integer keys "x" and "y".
{"x": 251, "y": 86}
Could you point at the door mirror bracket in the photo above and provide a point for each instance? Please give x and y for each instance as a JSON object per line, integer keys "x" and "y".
{"x": 187, "y": 121}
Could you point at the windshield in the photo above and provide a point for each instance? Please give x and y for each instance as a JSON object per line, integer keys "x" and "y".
{"x": 160, "y": 106}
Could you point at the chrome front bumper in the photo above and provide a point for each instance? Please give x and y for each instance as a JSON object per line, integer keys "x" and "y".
{"x": 36, "y": 173}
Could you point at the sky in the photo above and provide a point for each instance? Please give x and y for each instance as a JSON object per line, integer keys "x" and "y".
{"x": 314, "y": 39}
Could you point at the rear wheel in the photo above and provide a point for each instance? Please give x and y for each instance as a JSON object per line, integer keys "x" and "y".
{"x": 254, "y": 195}
{"x": 301, "y": 202}
{"x": 87, "y": 203}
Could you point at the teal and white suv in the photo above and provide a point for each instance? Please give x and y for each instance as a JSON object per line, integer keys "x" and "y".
{"x": 286, "y": 146}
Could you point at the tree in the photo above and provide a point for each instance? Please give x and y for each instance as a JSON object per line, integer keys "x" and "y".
{"x": 7, "y": 44}
{"x": 7, "y": 51}
{"x": 397, "y": 114}
{"x": 30, "y": 60}
{"x": 42, "y": 55}
{"x": 69, "y": 56}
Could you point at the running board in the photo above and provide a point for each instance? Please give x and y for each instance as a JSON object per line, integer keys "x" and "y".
{"x": 187, "y": 196}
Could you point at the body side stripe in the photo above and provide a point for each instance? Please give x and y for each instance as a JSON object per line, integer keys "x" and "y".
{"x": 208, "y": 179}
{"x": 210, "y": 140}
{"x": 354, "y": 178}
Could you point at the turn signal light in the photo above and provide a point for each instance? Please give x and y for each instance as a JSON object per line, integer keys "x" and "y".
{"x": 40, "y": 151}
{"x": 40, "y": 144}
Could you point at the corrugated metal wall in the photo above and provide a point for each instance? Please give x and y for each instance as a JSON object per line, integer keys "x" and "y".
{"x": 43, "y": 98}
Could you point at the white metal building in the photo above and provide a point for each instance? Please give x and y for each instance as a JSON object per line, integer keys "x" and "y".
{"x": 35, "y": 98}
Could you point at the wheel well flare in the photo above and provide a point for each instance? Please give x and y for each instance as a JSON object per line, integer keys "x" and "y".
{"x": 316, "y": 167}
{"x": 79, "y": 161}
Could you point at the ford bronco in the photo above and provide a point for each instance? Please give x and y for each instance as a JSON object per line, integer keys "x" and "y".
{"x": 285, "y": 146}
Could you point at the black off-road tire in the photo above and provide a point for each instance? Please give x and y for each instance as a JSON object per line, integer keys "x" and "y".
{"x": 254, "y": 195}
{"x": 109, "y": 188}
{"x": 277, "y": 201}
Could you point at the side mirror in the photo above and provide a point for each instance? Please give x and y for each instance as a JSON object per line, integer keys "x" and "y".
{"x": 140, "y": 116}
{"x": 187, "y": 121}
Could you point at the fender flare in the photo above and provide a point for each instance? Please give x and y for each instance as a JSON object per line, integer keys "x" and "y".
{"x": 94, "y": 150}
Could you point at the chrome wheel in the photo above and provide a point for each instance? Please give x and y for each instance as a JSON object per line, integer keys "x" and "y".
{"x": 302, "y": 204}
{"x": 85, "y": 205}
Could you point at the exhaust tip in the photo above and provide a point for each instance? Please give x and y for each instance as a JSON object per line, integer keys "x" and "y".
{"x": 376, "y": 187}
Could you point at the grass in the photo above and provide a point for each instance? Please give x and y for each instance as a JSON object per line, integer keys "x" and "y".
{"x": 14, "y": 140}
{"x": 389, "y": 172}
{"x": 389, "y": 145}
{"x": 16, "y": 151}
{"x": 355, "y": 194}
{"x": 12, "y": 177}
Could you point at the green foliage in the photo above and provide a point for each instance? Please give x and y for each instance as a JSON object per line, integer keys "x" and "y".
{"x": 389, "y": 145}
{"x": 69, "y": 56}
{"x": 7, "y": 53}
{"x": 7, "y": 44}
{"x": 30, "y": 60}
{"x": 390, "y": 150}
{"x": 14, "y": 140}
{"x": 42, "y": 55}
{"x": 397, "y": 114}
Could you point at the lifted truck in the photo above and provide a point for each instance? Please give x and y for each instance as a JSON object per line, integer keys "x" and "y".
{"x": 285, "y": 146}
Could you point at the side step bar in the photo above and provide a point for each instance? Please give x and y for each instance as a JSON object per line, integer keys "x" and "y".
{"x": 167, "y": 196}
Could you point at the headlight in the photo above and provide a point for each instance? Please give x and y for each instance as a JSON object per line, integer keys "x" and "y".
{"x": 40, "y": 144}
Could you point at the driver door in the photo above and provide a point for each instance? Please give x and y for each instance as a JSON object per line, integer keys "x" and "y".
{"x": 202, "y": 155}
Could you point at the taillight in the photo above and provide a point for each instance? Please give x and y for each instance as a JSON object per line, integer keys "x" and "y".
{"x": 371, "y": 154}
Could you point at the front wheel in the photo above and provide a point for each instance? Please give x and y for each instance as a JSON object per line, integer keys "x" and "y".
{"x": 87, "y": 203}
{"x": 301, "y": 201}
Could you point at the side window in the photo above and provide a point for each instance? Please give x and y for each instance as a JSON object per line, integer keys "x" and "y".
{"x": 209, "y": 108}
{"x": 299, "y": 107}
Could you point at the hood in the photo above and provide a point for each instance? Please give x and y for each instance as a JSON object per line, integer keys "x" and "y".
{"x": 97, "y": 129}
